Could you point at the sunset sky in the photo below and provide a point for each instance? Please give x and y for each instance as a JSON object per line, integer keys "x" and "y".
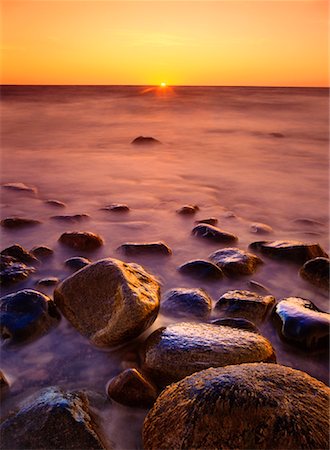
{"x": 252, "y": 42}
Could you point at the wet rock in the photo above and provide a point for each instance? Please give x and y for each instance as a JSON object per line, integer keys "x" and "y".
{"x": 55, "y": 203}
{"x": 247, "y": 406}
{"x": 75, "y": 218}
{"x": 25, "y": 315}
{"x": 213, "y": 233}
{"x": 210, "y": 221}
{"x": 187, "y": 303}
{"x": 53, "y": 419}
{"x": 233, "y": 261}
{"x": 302, "y": 323}
{"x": 109, "y": 301}
{"x": 13, "y": 271}
{"x": 42, "y": 252}
{"x": 261, "y": 228}
{"x": 145, "y": 140}
{"x": 19, "y": 253}
{"x": 131, "y": 388}
{"x": 276, "y": 135}
{"x": 19, "y": 187}
{"x": 308, "y": 222}
{"x": 201, "y": 269}
{"x": 152, "y": 248}
{"x": 77, "y": 262}
{"x": 116, "y": 207}
{"x": 242, "y": 324}
{"x": 295, "y": 251}
{"x": 3, "y": 382}
{"x": 81, "y": 240}
{"x": 187, "y": 209}
{"x": 258, "y": 287}
{"x": 316, "y": 271}
{"x": 18, "y": 222}
{"x": 181, "y": 349}
{"x": 245, "y": 304}
{"x": 49, "y": 281}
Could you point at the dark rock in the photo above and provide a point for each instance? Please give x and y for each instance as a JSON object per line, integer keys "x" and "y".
{"x": 295, "y": 251}
{"x": 12, "y": 271}
{"x": 261, "y": 228}
{"x": 3, "y": 382}
{"x": 81, "y": 240}
{"x": 18, "y": 222}
{"x": 181, "y": 349}
{"x": 213, "y": 233}
{"x": 201, "y": 269}
{"x": 152, "y": 248}
{"x": 276, "y": 135}
{"x": 245, "y": 304}
{"x": 19, "y": 253}
{"x": 71, "y": 219}
{"x": 246, "y": 406}
{"x": 42, "y": 252}
{"x": 210, "y": 221}
{"x": 308, "y": 222}
{"x": 55, "y": 203}
{"x": 233, "y": 261}
{"x": 116, "y": 207}
{"x": 242, "y": 324}
{"x": 50, "y": 281}
{"x": 53, "y": 419}
{"x": 131, "y": 388}
{"x": 316, "y": 271}
{"x": 302, "y": 323}
{"x": 25, "y": 315}
{"x": 19, "y": 187}
{"x": 145, "y": 140}
{"x": 77, "y": 262}
{"x": 187, "y": 209}
{"x": 187, "y": 303}
{"x": 258, "y": 287}
{"x": 109, "y": 301}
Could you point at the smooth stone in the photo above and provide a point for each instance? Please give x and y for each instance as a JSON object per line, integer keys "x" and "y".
{"x": 109, "y": 301}
{"x": 261, "y": 228}
{"x": 233, "y": 261}
{"x": 245, "y": 304}
{"x": 25, "y": 315}
{"x": 4, "y": 384}
{"x": 49, "y": 281}
{"x": 302, "y": 323}
{"x": 246, "y": 406}
{"x": 116, "y": 207}
{"x": 55, "y": 203}
{"x": 258, "y": 287}
{"x": 183, "y": 303}
{"x": 18, "y": 222}
{"x": 71, "y": 219}
{"x": 13, "y": 271}
{"x": 187, "y": 209}
{"x": 81, "y": 240}
{"x": 213, "y": 233}
{"x": 201, "y": 269}
{"x": 42, "y": 252}
{"x": 19, "y": 187}
{"x": 77, "y": 262}
{"x": 131, "y": 388}
{"x": 19, "y": 253}
{"x": 145, "y": 248}
{"x": 209, "y": 221}
{"x": 316, "y": 271}
{"x": 180, "y": 349}
{"x": 295, "y": 251}
{"x": 53, "y": 419}
{"x": 145, "y": 140}
{"x": 240, "y": 323}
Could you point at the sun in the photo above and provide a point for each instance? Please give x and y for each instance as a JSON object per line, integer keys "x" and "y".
{"x": 163, "y": 84}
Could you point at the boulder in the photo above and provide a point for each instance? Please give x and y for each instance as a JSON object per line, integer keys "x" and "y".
{"x": 187, "y": 303}
{"x": 19, "y": 187}
{"x": 116, "y": 207}
{"x": 233, "y": 261}
{"x": 12, "y": 271}
{"x": 199, "y": 268}
{"x": 247, "y": 406}
{"x": 210, "y": 221}
{"x": 213, "y": 233}
{"x": 18, "y": 222}
{"x": 53, "y": 419}
{"x": 20, "y": 254}
{"x": 109, "y": 301}
{"x": 42, "y": 252}
{"x": 244, "y": 304}
{"x": 75, "y": 218}
{"x": 145, "y": 248}
{"x": 187, "y": 210}
{"x": 77, "y": 262}
{"x": 55, "y": 203}
{"x": 302, "y": 323}
{"x": 316, "y": 271}
{"x": 180, "y": 349}
{"x": 295, "y": 251}
{"x": 145, "y": 140}
{"x": 25, "y": 315}
{"x": 261, "y": 228}
{"x": 81, "y": 240}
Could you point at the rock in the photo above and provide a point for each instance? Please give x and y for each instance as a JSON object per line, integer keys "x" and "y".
{"x": 295, "y": 251}
{"x": 42, "y": 252}
{"x": 12, "y": 271}
{"x": 242, "y": 324}
{"x": 116, "y": 207}
{"x": 187, "y": 209}
{"x": 245, "y": 304}
{"x": 109, "y": 301}
{"x": 302, "y": 323}
{"x": 201, "y": 269}
{"x": 261, "y": 228}
{"x": 187, "y": 303}
{"x": 258, "y": 287}
{"x": 276, "y": 135}
{"x": 18, "y": 222}
{"x": 77, "y": 262}
{"x": 210, "y": 221}
{"x": 131, "y": 388}
{"x": 233, "y": 261}
{"x": 145, "y": 140}
{"x": 52, "y": 419}
{"x": 71, "y": 219}
{"x": 3, "y": 382}
{"x": 81, "y": 240}
{"x": 247, "y": 406}
{"x": 25, "y": 315}
{"x": 19, "y": 187}
{"x": 308, "y": 222}
{"x": 316, "y": 271}
{"x": 19, "y": 253}
{"x": 181, "y": 349}
{"x": 55, "y": 203}
{"x": 50, "y": 281}
{"x": 152, "y": 248}
{"x": 213, "y": 233}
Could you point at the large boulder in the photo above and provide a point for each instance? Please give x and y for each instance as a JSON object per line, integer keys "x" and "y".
{"x": 181, "y": 349}
{"x": 233, "y": 261}
{"x": 182, "y": 302}
{"x": 109, "y": 301}
{"x": 52, "y": 419}
{"x": 247, "y": 406}
{"x": 213, "y": 233}
{"x": 316, "y": 271}
{"x": 81, "y": 240}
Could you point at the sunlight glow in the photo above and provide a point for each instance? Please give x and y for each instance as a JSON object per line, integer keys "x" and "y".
{"x": 163, "y": 84}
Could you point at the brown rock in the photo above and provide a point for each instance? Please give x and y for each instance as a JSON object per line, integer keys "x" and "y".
{"x": 316, "y": 271}
{"x": 233, "y": 261}
{"x": 187, "y": 209}
{"x": 18, "y": 222}
{"x": 213, "y": 233}
{"x": 81, "y": 240}
{"x": 145, "y": 248}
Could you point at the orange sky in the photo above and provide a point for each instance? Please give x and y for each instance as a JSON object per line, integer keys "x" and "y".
{"x": 252, "y": 42}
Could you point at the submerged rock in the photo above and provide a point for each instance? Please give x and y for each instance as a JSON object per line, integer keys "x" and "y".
{"x": 247, "y": 406}
{"x": 42, "y": 252}
{"x": 302, "y": 323}
{"x": 213, "y": 233}
{"x": 4, "y": 385}
{"x": 18, "y": 222}
{"x": 201, "y": 269}
{"x": 316, "y": 271}
{"x": 19, "y": 187}
{"x": 71, "y": 219}
{"x": 187, "y": 303}
{"x": 49, "y": 281}
{"x": 261, "y": 228}
{"x": 152, "y": 248}
{"x": 145, "y": 140}
{"x": 245, "y": 304}
{"x": 233, "y": 261}
{"x": 55, "y": 203}
{"x": 240, "y": 323}
{"x": 276, "y": 135}
{"x": 81, "y": 240}
{"x": 52, "y": 419}
{"x": 19, "y": 253}
{"x": 109, "y": 301}
{"x": 295, "y": 251}
{"x": 181, "y": 349}
{"x": 187, "y": 210}
{"x": 77, "y": 262}
{"x": 210, "y": 221}
{"x": 258, "y": 287}
{"x": 116, "y": 207}
{"x": 12, "y": 271}
{"x": 25, "y": 315}
{"x": 131, "y": 388}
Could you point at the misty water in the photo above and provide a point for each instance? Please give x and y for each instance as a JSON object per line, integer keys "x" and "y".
{"x": 243, "y": 155}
